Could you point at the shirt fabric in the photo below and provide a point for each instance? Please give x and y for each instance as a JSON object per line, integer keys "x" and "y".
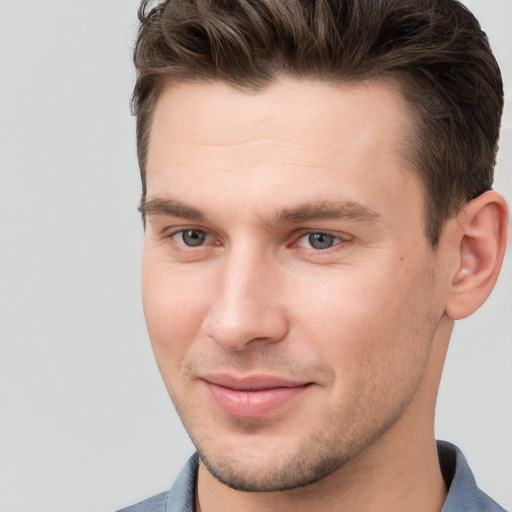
{"x": 463, "y": 494}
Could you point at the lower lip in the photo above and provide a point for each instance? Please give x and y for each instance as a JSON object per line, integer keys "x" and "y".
{"x": 253, "y": 404}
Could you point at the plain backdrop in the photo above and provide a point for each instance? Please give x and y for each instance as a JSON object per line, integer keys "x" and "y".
{"x": 85, "y": 423}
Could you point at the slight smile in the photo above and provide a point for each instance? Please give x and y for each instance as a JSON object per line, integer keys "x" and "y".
{"x": 252, "y": 397}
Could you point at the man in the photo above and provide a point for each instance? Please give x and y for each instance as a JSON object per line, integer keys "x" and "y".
{"x": 318, "y": 211}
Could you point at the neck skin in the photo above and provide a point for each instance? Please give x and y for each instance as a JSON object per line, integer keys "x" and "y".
{"x": 398, "y": 472}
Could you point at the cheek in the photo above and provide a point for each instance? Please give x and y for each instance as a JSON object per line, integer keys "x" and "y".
{"x": 175, "y": 304}
{"x": 369, "y": 325}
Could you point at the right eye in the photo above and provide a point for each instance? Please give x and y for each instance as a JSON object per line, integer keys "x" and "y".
{"x": 190, "y": 237}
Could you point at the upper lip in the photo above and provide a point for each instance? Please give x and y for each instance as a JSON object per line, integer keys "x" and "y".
{"x": 253, "y": 382}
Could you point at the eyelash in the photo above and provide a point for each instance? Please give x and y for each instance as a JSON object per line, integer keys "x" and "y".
{"x": 336, "y": 240}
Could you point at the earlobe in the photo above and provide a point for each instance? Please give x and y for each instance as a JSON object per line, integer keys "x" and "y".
{"x": 483, "y": 224}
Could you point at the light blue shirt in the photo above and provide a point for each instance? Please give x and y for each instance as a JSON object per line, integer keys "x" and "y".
{"x": 463, "y": 494}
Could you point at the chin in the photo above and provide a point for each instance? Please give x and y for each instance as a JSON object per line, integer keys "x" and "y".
{"x": 263, "y": 475}
{"x": 264, "y": 462}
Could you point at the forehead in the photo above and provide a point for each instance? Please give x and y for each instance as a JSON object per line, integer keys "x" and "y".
{"x": 297, "y": 137}
{"x": 303, "y": 109}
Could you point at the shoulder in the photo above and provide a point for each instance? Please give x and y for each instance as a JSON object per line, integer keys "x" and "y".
{"x": 463, "y": 492}
{"x": 156, "y": 503}
{"x": 179, "y": 499}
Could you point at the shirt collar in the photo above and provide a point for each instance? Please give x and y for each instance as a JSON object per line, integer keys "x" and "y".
{"x": 182, "y": 494}
{"x": 463, "y": 493}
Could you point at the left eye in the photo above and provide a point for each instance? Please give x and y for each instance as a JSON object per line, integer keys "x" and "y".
{"x": 318, "y": 241}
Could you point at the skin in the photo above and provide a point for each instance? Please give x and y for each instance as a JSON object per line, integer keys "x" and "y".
{"x": 365, "y": 322}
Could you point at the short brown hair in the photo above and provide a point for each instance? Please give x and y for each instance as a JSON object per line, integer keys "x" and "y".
{"x": 434, "y": 51}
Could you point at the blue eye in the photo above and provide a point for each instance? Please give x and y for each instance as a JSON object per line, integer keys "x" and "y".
{"x": 192, "y": 237}
{"x": 321, "y": 241}
{"x": 318, "y": 241}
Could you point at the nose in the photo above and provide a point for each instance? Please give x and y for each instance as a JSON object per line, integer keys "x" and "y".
{"x": 246, "y": 308}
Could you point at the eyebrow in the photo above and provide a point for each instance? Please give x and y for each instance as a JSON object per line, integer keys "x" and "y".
{"x": 311, "y": 211}
{"x": 326, "y": 210}
{"x": 170, "y": 208}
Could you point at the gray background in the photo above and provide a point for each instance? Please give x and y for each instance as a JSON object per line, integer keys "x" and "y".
{"x": 85, "y": 422}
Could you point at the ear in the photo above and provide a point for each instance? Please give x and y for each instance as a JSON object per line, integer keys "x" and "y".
{"x": 482, "y": 240}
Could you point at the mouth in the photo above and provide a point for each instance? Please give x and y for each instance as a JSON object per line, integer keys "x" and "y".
{"x": 253, "y": 397}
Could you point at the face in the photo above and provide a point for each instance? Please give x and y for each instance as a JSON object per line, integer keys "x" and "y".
{"x": 290, "y": 293}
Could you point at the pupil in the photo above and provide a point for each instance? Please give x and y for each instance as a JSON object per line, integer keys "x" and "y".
{"x": 193, "y": 238}
{"x": 320, "y": 240}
